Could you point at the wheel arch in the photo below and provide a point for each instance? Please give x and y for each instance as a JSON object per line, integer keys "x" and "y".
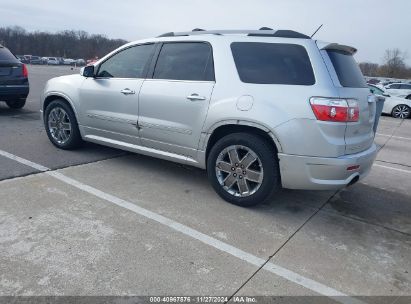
{"x": 222, "y": 129}
{"x": 60, "y": 96}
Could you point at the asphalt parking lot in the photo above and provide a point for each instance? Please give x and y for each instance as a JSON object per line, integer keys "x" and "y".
{"x": 99, "y": 221}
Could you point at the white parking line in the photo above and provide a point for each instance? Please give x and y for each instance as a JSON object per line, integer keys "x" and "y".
{"x": 398, "y": 137}
{"x": 23, "y": 161}
{"x": 204, "y": 238}
{"x": 392, "y": 168}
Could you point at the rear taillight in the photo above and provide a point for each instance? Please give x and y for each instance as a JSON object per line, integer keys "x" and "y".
{"x": 25, "y": 71}
{"x": 353, "y": 112}
{"x": 332, "y": 109}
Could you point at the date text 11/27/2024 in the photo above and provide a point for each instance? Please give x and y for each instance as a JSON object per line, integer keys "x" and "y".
{"x": 202, "y": 299}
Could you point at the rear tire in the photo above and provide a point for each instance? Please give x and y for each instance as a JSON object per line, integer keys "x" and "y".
{"x": 16, "y": 104}
{"x": 243, "y": 169}
{"x": 401, "y": 111}
{"x": 61, "y": 125}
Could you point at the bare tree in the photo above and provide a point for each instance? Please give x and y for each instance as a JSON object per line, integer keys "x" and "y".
{"x": 394, "y": 63}
{"x": 70, "y": 44}
{"x": 369, "y": 69}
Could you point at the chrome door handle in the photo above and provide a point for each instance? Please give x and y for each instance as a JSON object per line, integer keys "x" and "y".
{"x": 195, "y": 96}
{"x": 127, "y": 92}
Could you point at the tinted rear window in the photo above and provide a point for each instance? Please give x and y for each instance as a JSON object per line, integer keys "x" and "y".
{"x": 6, "y": 55}
{"x": 347, "y": 69}
{"x": 272, "y": 63}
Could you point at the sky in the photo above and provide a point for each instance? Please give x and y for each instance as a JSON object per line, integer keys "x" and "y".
{"x": 372, "y": 26}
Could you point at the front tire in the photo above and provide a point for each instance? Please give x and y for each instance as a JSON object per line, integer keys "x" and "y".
{"x": 243, "y": 169}
{"x": 16, "y": 104}
{"x": 401, "y": 111}
{"x": 61, "y": 125}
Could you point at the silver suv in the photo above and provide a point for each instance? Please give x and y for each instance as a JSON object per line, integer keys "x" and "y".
{"x": 259, "y": 109}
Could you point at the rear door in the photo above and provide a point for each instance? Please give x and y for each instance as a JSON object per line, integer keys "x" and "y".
{"x": 174, "y": 103}
{"x": 350, "y": 84}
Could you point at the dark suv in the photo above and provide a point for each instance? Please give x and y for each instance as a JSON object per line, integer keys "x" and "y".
{"x": 14, "y": 83}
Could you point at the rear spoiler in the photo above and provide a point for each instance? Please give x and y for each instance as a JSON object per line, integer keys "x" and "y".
{"x": 338, "y": 47}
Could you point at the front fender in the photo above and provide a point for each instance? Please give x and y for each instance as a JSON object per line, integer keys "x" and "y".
{"x": 65, "y": 87}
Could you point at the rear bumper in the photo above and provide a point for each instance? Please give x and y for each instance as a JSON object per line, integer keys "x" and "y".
{"x": 319, "y": 173}
{"x": 14, "y": 91}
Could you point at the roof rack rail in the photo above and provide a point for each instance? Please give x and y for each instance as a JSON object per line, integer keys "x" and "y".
{"x": 263, "y": 32}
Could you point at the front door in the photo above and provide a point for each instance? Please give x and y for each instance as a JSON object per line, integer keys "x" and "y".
{"x": 174, "y": 103}
{"x": 109, "y": 101}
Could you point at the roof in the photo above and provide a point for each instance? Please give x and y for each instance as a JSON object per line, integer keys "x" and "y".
{"x": 263, "y": 32}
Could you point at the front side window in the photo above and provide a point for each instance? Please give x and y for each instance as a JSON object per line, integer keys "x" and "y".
{"x": 185, "y": 61}
{"x": 129, "y": 63}
{"x": 272, "y": 63}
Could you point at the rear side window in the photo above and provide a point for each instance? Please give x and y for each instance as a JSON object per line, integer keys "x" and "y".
{"x": 185, "y": 61}
{"x": 406, "y": 86}
{"x": 347, "y": 69}
{"x": 272, "y": 63}
{"x": 6, "y": 55}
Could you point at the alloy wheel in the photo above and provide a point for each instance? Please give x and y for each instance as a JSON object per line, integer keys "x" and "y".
{"x": 239, "y": 170}
{"x": 401, "y": 111}
{"x": 59, "y": 125}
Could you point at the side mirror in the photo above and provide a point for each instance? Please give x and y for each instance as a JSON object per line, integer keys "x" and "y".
{"x": 386, "y": 95}
{"x": 87, "y": 71}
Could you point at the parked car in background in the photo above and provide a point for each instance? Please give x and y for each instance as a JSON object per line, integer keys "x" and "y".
{"x": 92, "y": 61}
{"x": 69, "y": 61}
{"x": 36, "y": 60}
{"x": 52, "y": 61}
{"x": 373, "y": 81}
{"x": 386, "y": 83}
{"x": 14, "y": 83}
{"x": 244, "y": 105}
{"x": 22, "y": 59}
{"x": 395, "y": 106}
{"x": 80, "y": 62}
{"x": 402, "y": 90}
